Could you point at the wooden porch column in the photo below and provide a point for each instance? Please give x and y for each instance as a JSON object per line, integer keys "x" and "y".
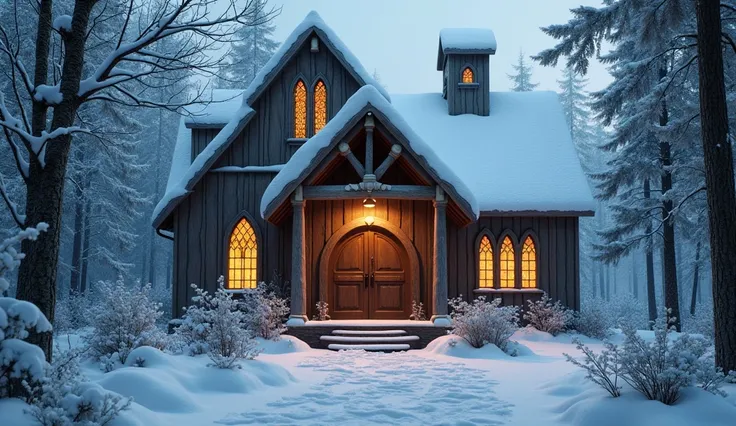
{"x": 298, "y": 314}
{"x": 439, "y": 261}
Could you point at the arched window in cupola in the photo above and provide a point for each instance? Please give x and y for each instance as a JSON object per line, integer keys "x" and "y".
{"x": 242, "y": 257}
{"x": 320, "y": 106}
{"x": 485, "y": 263}
{"x": 529, "y": 264}
{"x": 300, "y": 110}
{"x": 507, "y": 263}
{"x": 468, "y": 76}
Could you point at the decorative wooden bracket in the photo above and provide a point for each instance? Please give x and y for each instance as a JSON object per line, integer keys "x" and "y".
{"x": 392, "y": 156}
{"x": 346, "y": 152}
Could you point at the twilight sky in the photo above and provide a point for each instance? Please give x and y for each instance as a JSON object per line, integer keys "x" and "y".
{"x": 399, "y": 38}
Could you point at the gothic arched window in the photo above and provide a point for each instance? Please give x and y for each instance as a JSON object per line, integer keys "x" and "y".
{"x": 320, "y": 106}
{"x": 507, "y": 263}
{"x": 529, "y": 264}
{"x": 242, "y": 257}
{"x": 300, "y": 110}
{"x": 468, "y": 75}
{"x": 485, "y": 263}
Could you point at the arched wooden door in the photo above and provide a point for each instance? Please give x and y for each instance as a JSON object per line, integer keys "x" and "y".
{"x": 369, "y": 278}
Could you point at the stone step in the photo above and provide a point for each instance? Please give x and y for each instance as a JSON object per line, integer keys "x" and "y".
{"x": 369, "y": 339}
{"x": 369, "y": 332}
{"x": 370, "y": 347}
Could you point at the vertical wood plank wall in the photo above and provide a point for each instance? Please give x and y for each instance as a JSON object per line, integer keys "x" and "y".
{"x": 468, "y": 100}
{"x": 557, "y": 253}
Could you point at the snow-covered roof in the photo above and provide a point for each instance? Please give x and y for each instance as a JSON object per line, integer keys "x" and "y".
{"x": 311, "y": 21}
{"x": 467, "y": 39}
{"x": 306, "y": 158}
{"x": 519, "y": 158}
{"x": 217, "y": 111}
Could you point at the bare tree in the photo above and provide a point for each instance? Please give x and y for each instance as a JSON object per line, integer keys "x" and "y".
{"x": 40, "y": 144}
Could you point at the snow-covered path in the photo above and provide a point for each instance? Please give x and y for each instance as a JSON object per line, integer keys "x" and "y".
{"x": 378, "y": 388}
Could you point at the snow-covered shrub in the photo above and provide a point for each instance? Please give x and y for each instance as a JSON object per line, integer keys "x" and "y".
{"x": 544, "y": 315}
{"x": 481, "y": 322}
{"x": 417, "y": 311}
{"x": 265, "y": 312}
{"x": 602, "y": 369}
{"x": 216, "y": 325}
{"x": 592, "y": 320}
{"x": 658, "y": 369}
{"x": 701, "y": 322}
{"x": 124, "y": 319}
{"x": 322, "y": 311}
{"x": 626, "y": 311}
{"x": 63, "y": 398}
{"x": 20, "y": 361}
{"x": 71, "y": 312}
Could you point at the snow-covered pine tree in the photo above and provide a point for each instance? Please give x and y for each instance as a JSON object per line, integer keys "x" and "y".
{"x": 522, "y": 76}
{"x": 252, "y": 47}
{"x": 648, "y": 103}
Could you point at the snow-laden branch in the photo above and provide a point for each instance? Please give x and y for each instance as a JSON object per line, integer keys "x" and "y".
{"x": 18, "y": 217}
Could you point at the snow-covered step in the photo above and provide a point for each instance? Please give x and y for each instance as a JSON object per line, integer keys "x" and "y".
{"x": 369, "y": 332}
{"x": 369, "y": 339}
{"x": 370, "y": 347}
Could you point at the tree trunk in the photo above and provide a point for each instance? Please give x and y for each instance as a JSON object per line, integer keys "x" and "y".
{"x": 152, "y": 236}
{"x": 719, "y": 180}
{"x": 669, "y": 257}
{"x": 43, "y": 41}
{"x": 78, "y": 230}
{"x": 634, "y": 276}
{"x": 601, "y": 281}
{"x": 85, "y": 244}
{"x": 651, "y": 293}
{"x": 696, "y": 272}
{"x": 45, "y": 187}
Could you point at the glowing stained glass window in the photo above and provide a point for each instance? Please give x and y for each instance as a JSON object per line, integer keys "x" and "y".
{"x": 485, "y": 252}
{"x": 529, "y": 264}
{"x": 243, "y": 258}
{"x": 300, "y": 110}
{"x": 320, "y": 106}
{"x": 467, "y": 75}
{"x": 507, "y": 263}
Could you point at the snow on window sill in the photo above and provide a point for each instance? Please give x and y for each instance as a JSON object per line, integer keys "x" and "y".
{"x": 468, "y": 85}
{"x": 508, "y": 290}
{"x": 238, "y": 290}
{"x": 296, "y": 140}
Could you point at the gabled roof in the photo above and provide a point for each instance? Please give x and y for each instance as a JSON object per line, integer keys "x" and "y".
{"x": 518, "y": 159}
{"x": 465, "y": 41}
{"x": 309, "y": 155}
{"x": 186, "y": 177}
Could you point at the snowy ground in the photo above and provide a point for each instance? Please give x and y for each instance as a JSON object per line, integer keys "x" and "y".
{"x": 447, "y": 383}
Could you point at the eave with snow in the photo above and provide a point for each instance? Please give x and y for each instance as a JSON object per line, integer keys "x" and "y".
{"x": 370, "y": 202}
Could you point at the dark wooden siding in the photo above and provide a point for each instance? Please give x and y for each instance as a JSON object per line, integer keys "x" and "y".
{"x": 468, "y": 99}
{"x": 324, "y": 218}
{"x": 265, "y": 140}
{"x": 202, "y": 222}
{"x": 202, "y": 227}
{"x": 557, "y": 243}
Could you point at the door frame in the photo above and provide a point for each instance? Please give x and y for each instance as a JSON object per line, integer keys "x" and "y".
{"x": 387, "y": 228}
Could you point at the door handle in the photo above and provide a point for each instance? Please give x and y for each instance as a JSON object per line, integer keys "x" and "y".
{"x": 373, "y": 272}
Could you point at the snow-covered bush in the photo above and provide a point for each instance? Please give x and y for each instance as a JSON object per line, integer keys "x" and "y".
{"x": 660, "y": 368}
{"x": 124, "y": 319}
{"x": 72, "y": 312}
{"x": 701, "y": 322}
{"x": 265, "y": 312}
{"x": 322, "y": 311}
{"x": 544, "y": 315}
{"x": 626, "y": 311}
{"x": 481, "y": 322}
{"x": 602, "y": 369}
{"x": 63, "y": 398}
{"x": 20, "y": 361}
{"x": 216, "y": 325}
{"x": 417, "y": 311}
{"x": 592, "y": 320}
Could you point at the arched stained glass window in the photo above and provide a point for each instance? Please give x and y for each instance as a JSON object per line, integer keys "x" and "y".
{"x": 529, "y": 264}
{"x": 485, "y": 263}
{"x": 243, "y": 257}
{"x": 300, "y": 110}
{"x": 320, "y": 106}
{"x": 507, "y": 263}
{"x": 468, "y": 75}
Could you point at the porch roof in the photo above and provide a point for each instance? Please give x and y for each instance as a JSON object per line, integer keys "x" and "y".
{"x": 366, "y": 99}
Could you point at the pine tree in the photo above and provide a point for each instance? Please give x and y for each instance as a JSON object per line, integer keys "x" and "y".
{"x": 522, "y": 79}
{"x": 252, "y": 48}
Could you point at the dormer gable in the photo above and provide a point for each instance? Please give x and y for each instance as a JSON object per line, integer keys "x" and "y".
{"x": 463, "y": 57}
